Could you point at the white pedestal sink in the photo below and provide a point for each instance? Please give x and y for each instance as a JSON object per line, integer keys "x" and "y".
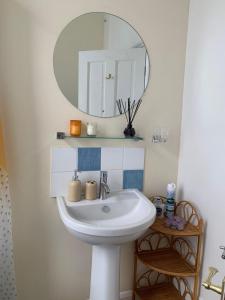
{"x": 106, "y": 224}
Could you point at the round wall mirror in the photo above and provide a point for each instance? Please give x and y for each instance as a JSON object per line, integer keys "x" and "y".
{"x": 98, "y": 59}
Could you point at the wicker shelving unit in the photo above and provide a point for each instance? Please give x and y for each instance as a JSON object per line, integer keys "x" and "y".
{"x": 171, "y": 258}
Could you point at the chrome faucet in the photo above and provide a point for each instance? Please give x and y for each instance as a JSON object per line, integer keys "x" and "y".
{"x": 104, "y": 189}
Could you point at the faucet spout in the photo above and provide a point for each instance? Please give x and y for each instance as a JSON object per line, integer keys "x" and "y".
{"x": 104, "y": 189}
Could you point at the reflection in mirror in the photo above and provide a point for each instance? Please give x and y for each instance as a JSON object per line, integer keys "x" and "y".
{"x": 98, "y": 59}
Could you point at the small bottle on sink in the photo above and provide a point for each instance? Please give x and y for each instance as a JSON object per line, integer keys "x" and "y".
{"x": 74, "y": 189}
{"x": 91, "y": 190}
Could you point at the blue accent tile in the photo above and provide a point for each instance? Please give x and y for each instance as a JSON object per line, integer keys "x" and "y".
{"x": 89, "y": 159}
{"x": 133, "y": 179}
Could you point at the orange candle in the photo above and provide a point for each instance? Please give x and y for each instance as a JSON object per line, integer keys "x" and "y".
{"x": 75, "y": 127}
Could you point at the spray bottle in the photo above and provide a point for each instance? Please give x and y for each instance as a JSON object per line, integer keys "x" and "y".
{"x": 170, "y": 202}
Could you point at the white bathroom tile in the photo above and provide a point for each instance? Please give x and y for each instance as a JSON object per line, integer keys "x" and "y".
{"x": 59, "y": 183}
{"x": 111, "y": 158}
{"x": 133, "y": 159}
{"x": 84, "y": 176}
{"x": 115, "y": 180}
{"x": 64, "y": 159}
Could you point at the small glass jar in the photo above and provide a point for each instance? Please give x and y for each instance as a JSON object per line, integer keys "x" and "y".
{"x": 91, "y": 129}
{"x": 75, "y": 127}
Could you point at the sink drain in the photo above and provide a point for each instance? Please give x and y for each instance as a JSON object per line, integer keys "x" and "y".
{"x": 106, "y": 209}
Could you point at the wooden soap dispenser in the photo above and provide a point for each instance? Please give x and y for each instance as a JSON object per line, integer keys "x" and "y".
{"x": 74, "y": 189}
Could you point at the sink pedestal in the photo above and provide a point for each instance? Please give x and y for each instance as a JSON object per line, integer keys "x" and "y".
{"x": 105, "y": 272}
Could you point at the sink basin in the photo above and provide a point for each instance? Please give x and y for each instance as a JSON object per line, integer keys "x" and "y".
{"x": 106, "y": 224}
{"x": 120, "y": 218}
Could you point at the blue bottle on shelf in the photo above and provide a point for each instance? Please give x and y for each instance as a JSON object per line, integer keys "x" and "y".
{"x": 170, "y": 202}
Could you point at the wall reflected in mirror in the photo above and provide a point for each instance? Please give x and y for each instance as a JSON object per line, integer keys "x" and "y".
{"x": 98, "y": 59}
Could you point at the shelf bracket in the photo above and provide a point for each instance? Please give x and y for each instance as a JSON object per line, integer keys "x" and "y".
{"x": 60, "y": 135}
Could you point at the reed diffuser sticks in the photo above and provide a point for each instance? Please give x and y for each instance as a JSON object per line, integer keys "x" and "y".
{"x": 129, "y": 110}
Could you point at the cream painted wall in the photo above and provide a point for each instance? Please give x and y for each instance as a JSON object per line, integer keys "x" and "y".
{"x": 50, "y": 263}
{"x": 201, "y": 167}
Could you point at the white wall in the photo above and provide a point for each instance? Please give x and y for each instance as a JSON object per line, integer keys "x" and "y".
{"x": 51, "y": 263}
{"x": 202, "y": 156}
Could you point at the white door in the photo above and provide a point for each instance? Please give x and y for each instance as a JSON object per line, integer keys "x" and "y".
{"x": 108, "y": 75}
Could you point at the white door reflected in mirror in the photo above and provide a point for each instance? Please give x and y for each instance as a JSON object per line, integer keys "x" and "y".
{"x": 108, "y": 75}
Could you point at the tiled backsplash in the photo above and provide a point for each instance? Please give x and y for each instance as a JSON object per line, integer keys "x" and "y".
{"x": 125, "y": 167}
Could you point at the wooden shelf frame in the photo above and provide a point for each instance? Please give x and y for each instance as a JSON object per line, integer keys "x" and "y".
{"x": 152, "y": 285}
{"x": 186, "y": 210}
{"x": 161, "y": 291}
{"x": 189, "y": 230}
{"x": 167, "y": 261}
{"x": 169, "y": 253}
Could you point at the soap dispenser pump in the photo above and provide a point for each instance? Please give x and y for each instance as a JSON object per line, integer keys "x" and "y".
{"x": 74, "y": 190}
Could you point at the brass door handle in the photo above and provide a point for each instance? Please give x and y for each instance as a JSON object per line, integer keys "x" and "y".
{"x": 212, "y": 273}
{"x": 109, "y": 76}
{"x": 208, "y": 282}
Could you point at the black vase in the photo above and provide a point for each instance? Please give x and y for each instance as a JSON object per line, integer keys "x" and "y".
{"x": 129, "y": 131}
